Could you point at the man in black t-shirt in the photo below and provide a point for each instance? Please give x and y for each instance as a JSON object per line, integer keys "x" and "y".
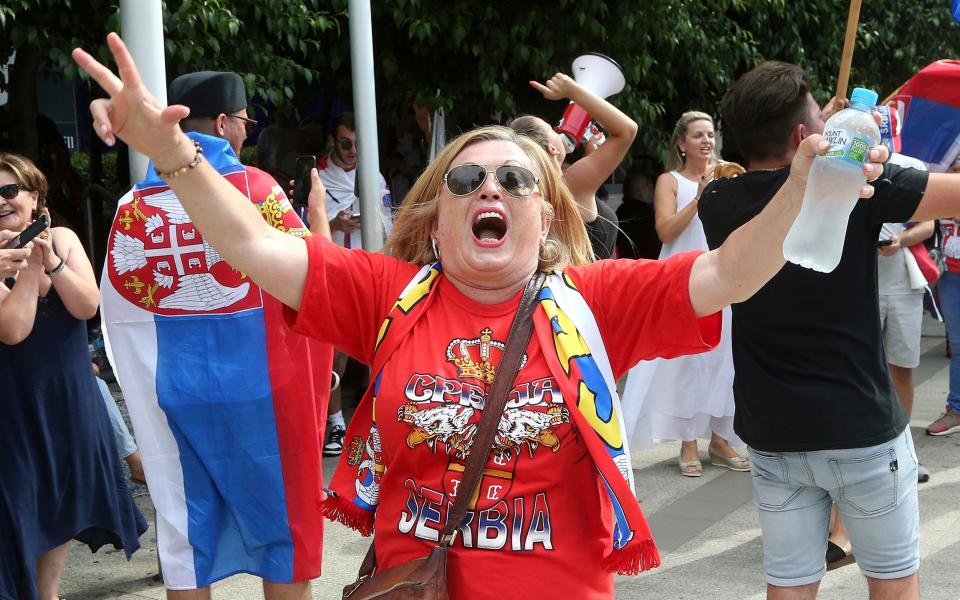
{"x": 813, "y": 397}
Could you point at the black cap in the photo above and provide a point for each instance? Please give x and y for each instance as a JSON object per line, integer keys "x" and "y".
{"x": 208, "y": 93}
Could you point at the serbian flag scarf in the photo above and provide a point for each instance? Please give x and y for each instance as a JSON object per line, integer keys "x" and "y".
{"x": 568, "y": 334}
{"x": 219, "y": 389}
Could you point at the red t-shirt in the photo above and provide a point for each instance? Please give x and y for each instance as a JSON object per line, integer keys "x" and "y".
{"x": 542, "y": 523}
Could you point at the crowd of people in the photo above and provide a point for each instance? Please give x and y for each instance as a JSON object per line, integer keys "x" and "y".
{"x": 225, "y": 311}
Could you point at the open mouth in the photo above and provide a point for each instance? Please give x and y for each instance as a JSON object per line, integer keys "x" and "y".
{"x": 489, "y": 227}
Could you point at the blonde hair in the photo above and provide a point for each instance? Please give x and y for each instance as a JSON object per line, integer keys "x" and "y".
{"x": 675, "y": 160}
{"x": 27, "y": 174}
{"x": 533, "y": 127}
{"x": 567, "y": 242}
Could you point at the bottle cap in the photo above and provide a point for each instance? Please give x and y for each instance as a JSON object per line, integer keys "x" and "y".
{"x": 864, "y": 96}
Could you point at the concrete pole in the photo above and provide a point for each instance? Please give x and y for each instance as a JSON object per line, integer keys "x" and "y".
{"x": 365, "y": 110}
{"x": 141, "y": 26}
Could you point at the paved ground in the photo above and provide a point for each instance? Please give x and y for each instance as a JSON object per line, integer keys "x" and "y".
{"x": 707, "y": 528}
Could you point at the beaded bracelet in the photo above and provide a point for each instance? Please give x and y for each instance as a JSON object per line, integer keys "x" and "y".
{"x": 193, "y": 163}
{"x": 56, "y": 270}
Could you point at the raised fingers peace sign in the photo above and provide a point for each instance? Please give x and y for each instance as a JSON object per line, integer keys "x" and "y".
{"x": 131, "y": 113}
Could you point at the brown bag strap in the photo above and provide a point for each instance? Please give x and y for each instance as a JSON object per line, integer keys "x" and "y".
{"x": 507, "y": 371}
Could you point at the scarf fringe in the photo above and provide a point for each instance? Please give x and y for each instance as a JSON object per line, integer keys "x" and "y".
{"x": 633, "y": 558}
{"x": 336, "y": 509}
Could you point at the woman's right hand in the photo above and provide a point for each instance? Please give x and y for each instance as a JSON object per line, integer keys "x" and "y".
{"x": 12, "y": 260}
{"x": 132, "y": 113}
{"x": 558, "y": 87}
{"x": 705, "y": 180}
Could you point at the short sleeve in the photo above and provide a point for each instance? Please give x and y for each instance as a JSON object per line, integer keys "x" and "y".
{"x": 643, "y": 309}
{"x": 347, "y": 295}
{"x": 897, "y": 194}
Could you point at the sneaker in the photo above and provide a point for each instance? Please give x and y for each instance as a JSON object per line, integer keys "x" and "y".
{"x": 949, "y": 422}
{"x": 333, "y": 446}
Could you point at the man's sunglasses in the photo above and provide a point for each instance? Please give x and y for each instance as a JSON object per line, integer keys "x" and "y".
{"x": 346, "y": 144}
{"x": 515, "y": 180}
{"x": 250, "y": 124}
{"x": 10, "y": 191}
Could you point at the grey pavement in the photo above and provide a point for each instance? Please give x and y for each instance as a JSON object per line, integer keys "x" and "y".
{"x": 707, "y": 528}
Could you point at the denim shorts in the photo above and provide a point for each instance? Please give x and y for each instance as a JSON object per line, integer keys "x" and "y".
{"x": 875, "y": 490}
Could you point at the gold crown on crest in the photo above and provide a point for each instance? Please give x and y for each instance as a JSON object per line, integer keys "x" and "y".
{"x": 458, "y": 352}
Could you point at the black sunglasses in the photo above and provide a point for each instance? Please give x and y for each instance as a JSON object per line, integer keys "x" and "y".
{"x": 515, "y": 180}
{"x": 250, "y": 124}
{"x": 345, "y": 144}
{"x": 10, "y": 191}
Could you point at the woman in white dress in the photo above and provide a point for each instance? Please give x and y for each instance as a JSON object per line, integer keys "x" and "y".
{"x": 692, "y": 396}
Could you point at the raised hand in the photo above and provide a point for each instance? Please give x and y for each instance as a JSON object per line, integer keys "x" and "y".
{"x": 558, "y": 87}
{"x": 132, "y": 113}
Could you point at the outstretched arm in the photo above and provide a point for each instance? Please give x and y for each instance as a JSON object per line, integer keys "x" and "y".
{"x": 586, "y": 175}
{"x": 941, "y": 198}
{"x": 275, "y": 261}
{"x": 753, "y": 254}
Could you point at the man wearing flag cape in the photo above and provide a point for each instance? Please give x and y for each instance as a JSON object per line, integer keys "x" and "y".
{"x": 227, "y": 402}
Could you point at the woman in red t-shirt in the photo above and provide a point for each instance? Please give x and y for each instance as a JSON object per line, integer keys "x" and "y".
{"x": 555, "y": 512}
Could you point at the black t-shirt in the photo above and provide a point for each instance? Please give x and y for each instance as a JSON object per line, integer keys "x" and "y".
{"x": 603, "y": 231}
{"x": 807, "y": 348}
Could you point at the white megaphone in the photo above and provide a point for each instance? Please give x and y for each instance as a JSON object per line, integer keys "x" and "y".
{"x": 601, "y": 75}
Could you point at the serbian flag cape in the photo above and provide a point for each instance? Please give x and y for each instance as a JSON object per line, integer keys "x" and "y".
{"x": 929, "y": 105}
{"x": 220, "y": 391}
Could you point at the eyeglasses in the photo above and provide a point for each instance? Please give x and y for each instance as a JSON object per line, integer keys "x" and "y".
{"x": 346, "y": 144}
{"x": 250, "y": 124}
{"x": 515, "y": 180}
{"x": 10, "y": 191}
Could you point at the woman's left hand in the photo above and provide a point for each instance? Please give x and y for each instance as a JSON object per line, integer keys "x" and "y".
{"x": 43, "y": 245}
{"x": 814, "y": 145}
{"x": 558, "y": 87}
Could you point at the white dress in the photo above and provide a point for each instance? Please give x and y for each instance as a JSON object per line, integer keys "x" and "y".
{"x": 682, "y": 398}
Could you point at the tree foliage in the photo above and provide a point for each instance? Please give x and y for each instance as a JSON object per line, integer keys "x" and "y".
{"x": 476, "y": 57}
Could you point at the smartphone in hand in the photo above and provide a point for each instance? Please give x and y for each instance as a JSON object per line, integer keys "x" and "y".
{"x": 32, "y": 231}
{"x": 301, "y": 188}
{"x": 884, "y": 243}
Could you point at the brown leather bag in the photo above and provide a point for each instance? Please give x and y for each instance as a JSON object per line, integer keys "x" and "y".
{"x": 426, "y": 578}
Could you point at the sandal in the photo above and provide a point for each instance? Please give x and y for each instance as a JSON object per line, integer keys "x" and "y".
{"x": 737, "y": 463}
{"x": 838, "y": 557}
{"x": 691, "y": 468}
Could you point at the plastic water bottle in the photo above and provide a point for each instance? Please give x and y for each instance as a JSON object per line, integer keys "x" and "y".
{"x": 815, "y": 239}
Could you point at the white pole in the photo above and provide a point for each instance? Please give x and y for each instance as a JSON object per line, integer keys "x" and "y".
{"x": 365, "y": 111}
{"x": 141, "y": 26}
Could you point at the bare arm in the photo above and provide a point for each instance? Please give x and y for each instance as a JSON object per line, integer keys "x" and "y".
{"x": 909, "y": 237}
{"x": 941, "y": 198}
{"x": 275, "y": 261}
{"x": 753, "y": 254}
{"x": 76, "y": 283}
{"x": 18, "y": 307}
{"x": 586, "y": 175}
{"x": 668, "y": 221}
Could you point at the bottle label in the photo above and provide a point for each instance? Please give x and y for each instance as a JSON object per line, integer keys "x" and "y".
{"x": 847, "y": 146}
